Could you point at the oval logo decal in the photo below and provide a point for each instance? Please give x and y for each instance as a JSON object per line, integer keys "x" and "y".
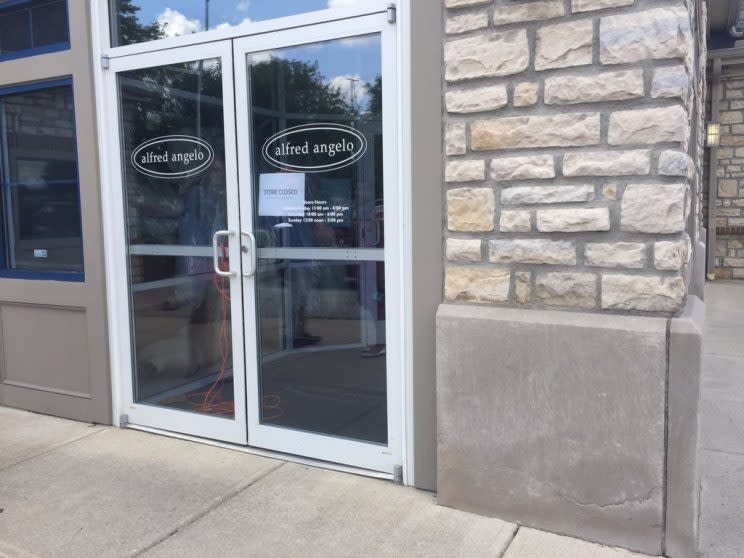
{"x": 172, "y": 157}
{"x": 319, "y": 147}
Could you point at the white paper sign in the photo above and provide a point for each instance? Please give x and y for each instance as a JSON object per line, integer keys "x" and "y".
{"x": 281, "y": 194}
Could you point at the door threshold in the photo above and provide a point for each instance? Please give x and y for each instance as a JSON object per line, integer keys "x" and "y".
{"x": 266, "y": 453}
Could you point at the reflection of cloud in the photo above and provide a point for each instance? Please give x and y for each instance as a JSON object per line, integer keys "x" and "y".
{"x": 260, "y": 57}
{"x": 350, "y": 87}
{"x": 226, "y": 24}
{"x": 343, "y": 3}
{"x": 362, "y": 41}
{"x": 243, "y": 6}
{"x": 173, "y": 23}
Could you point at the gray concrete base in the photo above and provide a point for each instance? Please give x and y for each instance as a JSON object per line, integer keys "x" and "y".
{"x": 558, "y": 420}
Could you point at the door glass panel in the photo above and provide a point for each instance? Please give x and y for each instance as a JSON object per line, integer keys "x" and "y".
{"x": 316, "y": 123}
{"x": 136, "y": 21}
{"x": 174, "y": 180}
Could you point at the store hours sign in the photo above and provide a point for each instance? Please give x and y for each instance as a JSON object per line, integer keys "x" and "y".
{"x": 318, "y": 147}
{"x": 172, "y": 157}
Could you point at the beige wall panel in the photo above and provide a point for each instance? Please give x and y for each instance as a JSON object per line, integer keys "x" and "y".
{"x": 45, "y": 348}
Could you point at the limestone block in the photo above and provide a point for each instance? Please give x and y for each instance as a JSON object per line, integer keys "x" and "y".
{"x": 573, "y": 220}
{"x": 573, "y": 129}
{"x": 464, "y": 3}
{"x": 506, "y": 13}
{"x": 460, "y": 23}
{"x": 522, "y": 287}
{"x": 670, "y": 82}
{"x": 486, "y": 55}
{"x": 671, "y": 256}
{"x": 654, "y": 125}
{"x": 523, "y": 168}
{"x": 477, "y": 284}
{"x": 463, "y": 249}
{"x": 454, "y": 139}
{"x": 515, "y": 221}
{"x": 532, "y": 251}
{"x": 476, "y": 100}
{"x": 564, "y": 44}
{"x": 657, "y": 208}
{"x": 647, "y": 35}
{"x": 676, "y": 163}
{"x": 526, "y": 195}
{"x": 642, "y": 293}
{"x": 567, "y": 289}
{"x": 465, "y": 171}
{"x": 605, "y": 86}
{"x": 526, "y": 94}
{"x": 728, "y": 188}
{"x": 470, "y": 209}
{"x": 591, "y": 5}
{"x": 731, "y": 117}
{"x": 609, "y": 192}
{"x": 615, "y": 254}
{"x": 607, "y": 163}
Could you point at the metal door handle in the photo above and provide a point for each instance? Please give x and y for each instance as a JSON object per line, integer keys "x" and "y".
{"x": 252, "y": 267}
{"x": 216, "y": 253}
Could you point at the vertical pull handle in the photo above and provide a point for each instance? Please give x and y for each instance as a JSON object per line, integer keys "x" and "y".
{"x": 251, "y": 271}
{"x": 216, "y": 253}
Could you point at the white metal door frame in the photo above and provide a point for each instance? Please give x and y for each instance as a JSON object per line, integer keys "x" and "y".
{"x": 318, "y": 446}
{"x": 230, "y": 430}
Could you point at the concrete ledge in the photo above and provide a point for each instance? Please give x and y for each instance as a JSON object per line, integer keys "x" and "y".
{"x": 685, "y": 364}
{"x": 554, "y": 420}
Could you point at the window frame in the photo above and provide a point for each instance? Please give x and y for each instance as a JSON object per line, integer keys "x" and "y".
{"x": 35, "y": 51}
{"x": 6, "y": 272}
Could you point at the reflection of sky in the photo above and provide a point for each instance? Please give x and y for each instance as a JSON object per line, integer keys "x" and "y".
{"x": 231, "y": 12}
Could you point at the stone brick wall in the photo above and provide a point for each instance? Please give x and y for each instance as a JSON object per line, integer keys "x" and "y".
{"x": 729, "y": 257}
{"x": 567, "y": 141}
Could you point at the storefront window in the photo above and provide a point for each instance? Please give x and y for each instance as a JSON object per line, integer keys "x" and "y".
{"x": 30, "y": 27}
{"x": 137, "y": 21}
{"x": 39, "y": 177}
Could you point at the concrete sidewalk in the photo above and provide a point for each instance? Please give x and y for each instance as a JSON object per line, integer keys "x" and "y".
{"x": 74, "y": 490}
{"x": 722, "y": 423}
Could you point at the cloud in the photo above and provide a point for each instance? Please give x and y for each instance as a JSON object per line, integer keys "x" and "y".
{"x": 351, "y": 86}
{"x": 173, "y": 23}
{"x": 343, "y": 3}
{"x": 244, "y": 5}
{"x": 226, "y": 24}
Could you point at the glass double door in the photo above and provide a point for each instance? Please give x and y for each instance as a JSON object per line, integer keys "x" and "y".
{"x": 257, "y": 178}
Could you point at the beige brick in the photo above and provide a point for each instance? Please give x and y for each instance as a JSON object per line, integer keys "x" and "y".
{"x": 567, "y": 289}
{"x": 564, "y": 44}
{"x": 646, "y": 35}
{"x": 653, "y": 208}
{"x": 670, "y": 82}
{"x": 526, "y": 94}
{"x": 654, "y": 125}
{"x": 607, "y": 163}
{"x": 476, "y": 100}
{"x": 591, "y": 5}
{"x": 465, "y": 171}
{"x": 454, "y": 139}
{"x": 470, "y": 209}
{"x": 464, "y": 3}
{"x": 515, "y": 221}
{"x": 606, "y": 86}
{"x": 671, "y": 256}
{"x": 486, "y": 55}
{"x": 511, "y": 12}
{"x": 469, "y": 21}
{"x": 523, "y": 168}
{"x": 642, "y": 293}
{"x": 527, "y": 195}
{"x": 609, "y": 192}
{"x": 573, "y": 220}
{"x": 616, "y": 254}
{"x": 532, "y": 251}
{"x": 463, "y": 249}
{"x": 522, "y": 287}
{"x": 477, "y": 284}
{"x": 572, "y": 129}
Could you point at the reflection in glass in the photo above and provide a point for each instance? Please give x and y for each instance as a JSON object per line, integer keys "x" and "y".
{"x": 136, "y": 21}
{"x": 40, "y": 181}
{"x": 320, "y": 280}
{"x": 33, "y": 24}
{"x": 180, "y": 307}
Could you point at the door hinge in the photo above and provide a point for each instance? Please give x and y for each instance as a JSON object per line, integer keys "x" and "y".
{"x": 392, "y": 13}
{"x": 105, "y": 62}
